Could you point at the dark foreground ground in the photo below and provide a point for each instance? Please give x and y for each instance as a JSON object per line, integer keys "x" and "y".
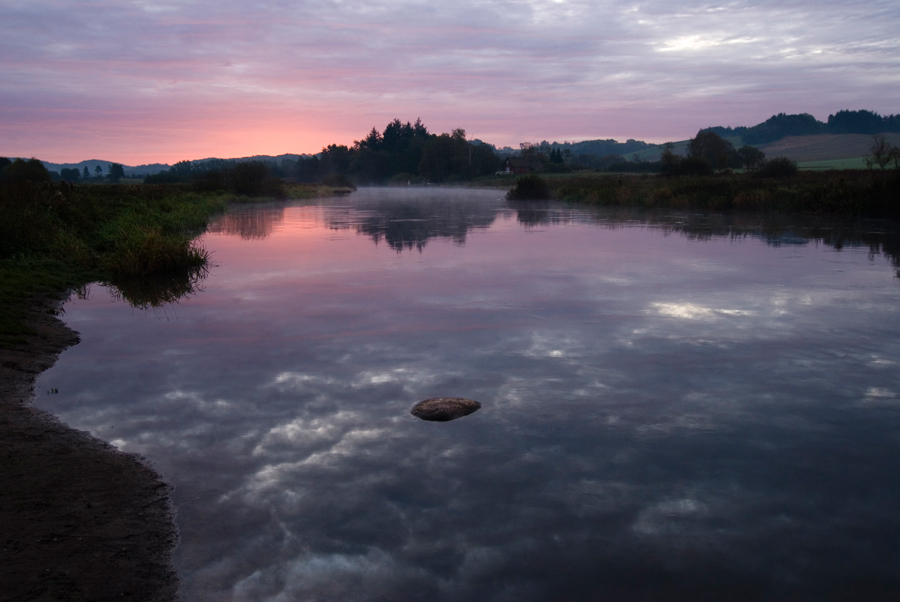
{"x": 79, "y": 520}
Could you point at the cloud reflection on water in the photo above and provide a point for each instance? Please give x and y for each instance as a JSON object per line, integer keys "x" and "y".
{"x": 663, "y": 418}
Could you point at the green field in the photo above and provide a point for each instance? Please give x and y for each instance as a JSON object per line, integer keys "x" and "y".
{"x": 819, "y": 152}
{"x": 852, "y": 163}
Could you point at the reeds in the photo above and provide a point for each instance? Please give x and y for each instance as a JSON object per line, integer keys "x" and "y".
{"x": 851, "y": 193}
{"x": 59, "y": 236}
{"x": 531, "y": 187}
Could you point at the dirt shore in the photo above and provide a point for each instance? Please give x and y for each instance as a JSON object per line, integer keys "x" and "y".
{"x": 79, "y": 520}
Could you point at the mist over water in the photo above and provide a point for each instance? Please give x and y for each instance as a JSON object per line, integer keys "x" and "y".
{"x": 674, "y": 406}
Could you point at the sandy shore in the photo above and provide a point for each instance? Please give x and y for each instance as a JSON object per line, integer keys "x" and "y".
{"x": 79, "y": 520}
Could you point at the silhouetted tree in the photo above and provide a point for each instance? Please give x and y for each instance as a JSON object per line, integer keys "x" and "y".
{"x": 556, "y": 156}
{"x": 86, "y": 173}
{"x": 860, "y": 122}
{"x": 751, "y": 157}
{"x": 307, "y": 169}
{"x": 674, "y": 165}
{"x": 781, "y": 125}
{"x": 669, "y": 159}
{"x": 883, "y": 152}
{"x": 531, "y": 187}
{"x": 334, "y": 159}
{"x": 778, "y": 167}
{"x": 116, "y": 172}
{"x": 25, "y": 171}
{"x": 713, "y": 149}
{"x": 402, "y": 152}
{"x": 70, "y": 175}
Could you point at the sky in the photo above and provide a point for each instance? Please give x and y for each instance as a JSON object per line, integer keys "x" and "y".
{"x": 145, "y": 81}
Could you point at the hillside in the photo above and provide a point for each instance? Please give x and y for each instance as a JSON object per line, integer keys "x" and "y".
{"x": 819, "y": 151}
{"x": 841, "y": 142}
{"x": 92, "y": 164}
{"x": 154, "y": 168}
{"x": 824, "y": 147}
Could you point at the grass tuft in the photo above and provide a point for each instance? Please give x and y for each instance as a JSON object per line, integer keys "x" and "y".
{"x": 56, "y": 237}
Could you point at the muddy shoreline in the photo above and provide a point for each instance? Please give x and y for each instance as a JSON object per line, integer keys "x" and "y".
{"x": 79, "y": 520}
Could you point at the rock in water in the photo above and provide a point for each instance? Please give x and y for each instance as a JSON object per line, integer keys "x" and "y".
{"x": 444, "y": 409}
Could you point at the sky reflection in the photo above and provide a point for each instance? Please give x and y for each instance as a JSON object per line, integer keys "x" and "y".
{"x": 665, "y": 416}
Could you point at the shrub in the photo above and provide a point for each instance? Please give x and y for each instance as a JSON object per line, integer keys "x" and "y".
{"x": 336, "y": 180}
{"x": 247, "y": 178}
{"x": 27, "y": 217}
{"x": 529, "y": 188}
{"x": 20, "y": 171}
{"x": 693, "y": 166}
{"x": 779, "y": 167}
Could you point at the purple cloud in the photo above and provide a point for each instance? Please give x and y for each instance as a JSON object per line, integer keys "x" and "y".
{"x": 149, "y": 81}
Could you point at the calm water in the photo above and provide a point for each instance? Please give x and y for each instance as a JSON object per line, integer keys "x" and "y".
{"x": 674, "y": 406}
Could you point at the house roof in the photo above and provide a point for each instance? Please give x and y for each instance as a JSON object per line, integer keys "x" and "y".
{"x": 520, "y": 162}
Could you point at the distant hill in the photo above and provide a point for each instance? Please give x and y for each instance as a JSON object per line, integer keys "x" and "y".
{"x": 154, "y": 168}
{"x": 602, "y": 148}
{"x": 824, "y": 147}
{"x": 783, "y": 125}
{"x": 599, "y": 148}
{"x": 801, "y": 137}
{"x": 91, "y": 164}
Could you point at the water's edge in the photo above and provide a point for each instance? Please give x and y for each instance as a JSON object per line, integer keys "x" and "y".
{"x": 81, "y": 519}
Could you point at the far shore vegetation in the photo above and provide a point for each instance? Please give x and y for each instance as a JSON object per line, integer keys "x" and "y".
{"x": 714, "y": 176}
{"x": 61, "y": 231}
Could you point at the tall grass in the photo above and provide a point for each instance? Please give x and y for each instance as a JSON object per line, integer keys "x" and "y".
{"x": 851, "y": 193}
{"x": 59, "y": 236}
{"x": 118, "y": 230}
{"x": 529, "y": 187}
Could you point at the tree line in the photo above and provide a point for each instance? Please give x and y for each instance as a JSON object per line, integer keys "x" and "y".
{"x": 115, "y": 172}
{"x": 32, "y": 170}
{"x": 782, "y": 125}
{"x": 708, "y": 153}
{"x": 401, "y": 153}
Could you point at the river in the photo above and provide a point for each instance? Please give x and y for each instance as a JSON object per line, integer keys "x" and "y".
{"x": 674, "y": 406}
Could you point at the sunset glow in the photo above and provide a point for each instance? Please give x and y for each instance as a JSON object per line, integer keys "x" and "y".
{"x": 144, "y": 82}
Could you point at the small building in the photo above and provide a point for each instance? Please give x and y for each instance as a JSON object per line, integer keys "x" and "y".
{"x": 517, "y": 165}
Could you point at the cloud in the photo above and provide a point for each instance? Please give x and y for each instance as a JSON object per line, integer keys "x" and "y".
{"x": 225, "y": 78}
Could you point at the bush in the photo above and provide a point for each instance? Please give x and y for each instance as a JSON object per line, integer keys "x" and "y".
{"x": 20, "y": 171}
{"x": 27, "y": 223}
{"x": 529, "y": 188}
{"x": 692, "y": 166}
{"x": 336, "y": 180}
{"x": 167, "y": 177}
{"x": 779, "y": 167}
{"x": 247, "y": 178}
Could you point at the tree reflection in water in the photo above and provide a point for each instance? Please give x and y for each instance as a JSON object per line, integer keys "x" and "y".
{"x": 412, "y": 221}
{"x": 881, "y": 237}
{"x": 250, "y": 222}
{"x": 157, "y": 290}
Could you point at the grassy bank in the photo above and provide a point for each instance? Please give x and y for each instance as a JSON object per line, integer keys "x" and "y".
{"x": 873, "y": 194}
{"x": 140, "y": 239}
{"x": 56, "y": 237}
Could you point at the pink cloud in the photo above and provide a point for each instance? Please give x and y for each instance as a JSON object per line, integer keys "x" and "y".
{"x": 150, "y": 81}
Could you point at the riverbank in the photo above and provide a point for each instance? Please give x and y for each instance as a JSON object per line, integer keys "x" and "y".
{"x": 856, "y": 193}
{"x": 80, "y": 520}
